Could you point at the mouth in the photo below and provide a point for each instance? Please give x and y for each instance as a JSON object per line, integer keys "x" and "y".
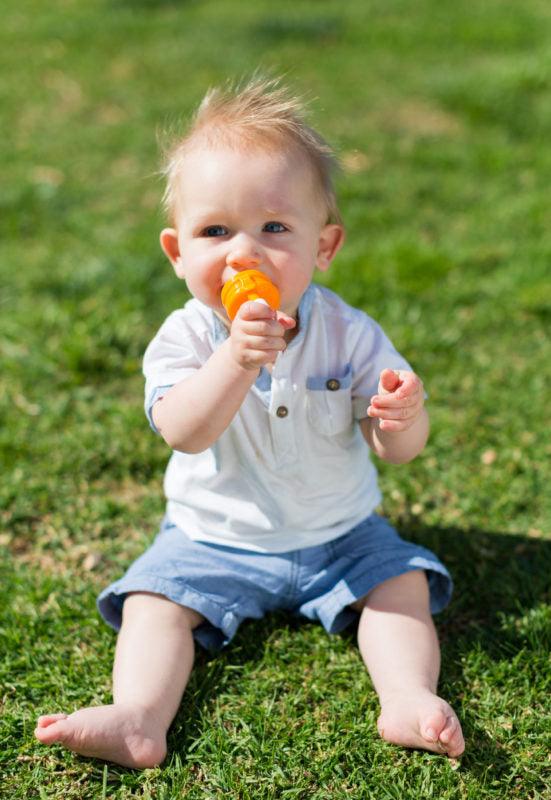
{"x": 227, "y": 274}
{"x": 248, "y": 285}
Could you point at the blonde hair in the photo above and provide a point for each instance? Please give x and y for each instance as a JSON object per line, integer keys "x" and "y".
{"x": 261, "y": 112}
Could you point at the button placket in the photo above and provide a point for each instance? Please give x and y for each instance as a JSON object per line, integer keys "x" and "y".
{"x": 281, "y": 413}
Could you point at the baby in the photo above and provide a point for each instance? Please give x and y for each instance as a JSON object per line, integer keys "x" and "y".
{"x": 271, "y": 493}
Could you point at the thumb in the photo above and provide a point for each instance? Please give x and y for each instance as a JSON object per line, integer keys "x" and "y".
{"x": 255, "y": 309}
{"x": 389, "y": 381}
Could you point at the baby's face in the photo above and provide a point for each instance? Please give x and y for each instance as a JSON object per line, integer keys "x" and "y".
{"x": 247, "y": 210}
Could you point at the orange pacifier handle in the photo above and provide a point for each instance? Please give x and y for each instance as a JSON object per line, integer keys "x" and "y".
{"x": 248, "y": 285}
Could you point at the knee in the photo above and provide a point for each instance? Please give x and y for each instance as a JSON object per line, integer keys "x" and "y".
{"x": 408, "y": 590}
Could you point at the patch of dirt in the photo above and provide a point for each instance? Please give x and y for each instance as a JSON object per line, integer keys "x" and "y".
{"x": 421, "y": 118}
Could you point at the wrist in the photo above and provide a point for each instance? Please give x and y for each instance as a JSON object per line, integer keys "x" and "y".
{"x": 401, "y": 446}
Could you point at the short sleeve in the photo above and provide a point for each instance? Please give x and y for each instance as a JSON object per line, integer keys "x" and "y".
{"x": 373, "y": 352}
{"x": 181, "y": 346}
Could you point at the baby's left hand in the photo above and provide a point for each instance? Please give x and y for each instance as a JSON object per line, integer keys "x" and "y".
{"x": 399, "y": 400}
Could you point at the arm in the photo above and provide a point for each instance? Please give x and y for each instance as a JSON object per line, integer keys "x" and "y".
{"x": 195, "y": 412}
{"x": 397, "y": 426}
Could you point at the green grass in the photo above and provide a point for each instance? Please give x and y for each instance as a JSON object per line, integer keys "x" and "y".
{"x": 442, "y": 113}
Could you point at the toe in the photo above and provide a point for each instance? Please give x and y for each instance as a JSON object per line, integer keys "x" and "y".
{"x": 56, "y": 732}
{"x": 46, "y": 719}
{"x": 434, "y": 726}
{"x": 451, "y": 738}
{"x": 450, "y": 728}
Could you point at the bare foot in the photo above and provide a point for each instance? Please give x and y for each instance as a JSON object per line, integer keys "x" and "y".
{"x": 127, "y": 735}
{"x": 421, "y": 720}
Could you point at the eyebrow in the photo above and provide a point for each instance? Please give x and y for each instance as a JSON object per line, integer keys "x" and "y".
{"x": 219, "y": 215}
{"x": 281, "y": 210}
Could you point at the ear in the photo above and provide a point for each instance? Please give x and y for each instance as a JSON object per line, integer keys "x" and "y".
{"x": 171, "y": 249}
{"x": 330, "y": 242}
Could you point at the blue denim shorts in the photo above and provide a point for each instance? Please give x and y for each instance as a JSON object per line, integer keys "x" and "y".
{"x": 228, "y": 585}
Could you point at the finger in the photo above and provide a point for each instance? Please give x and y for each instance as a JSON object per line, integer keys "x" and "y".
{"x": 394, "y": 426}
{"x": 389, "y": 380}
{"x": 285, "y": 320}
{"x": 394, "y": 401}
{"x": 255, "y": 310}
{"x": 403, "y": 413}
{"x": 259, "y": 358}
{"x": 410, "y": 383}
{"x": 265, "y": 343}
{"x": 406, "y": 382}
{"x": 262, "y": 327}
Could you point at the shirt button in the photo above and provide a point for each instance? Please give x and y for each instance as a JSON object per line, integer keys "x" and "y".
{"x": 333, "y": 384}
{"x": 282, "y": 411}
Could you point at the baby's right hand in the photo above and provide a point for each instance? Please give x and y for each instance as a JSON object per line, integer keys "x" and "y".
{"x": 257, "y": 334}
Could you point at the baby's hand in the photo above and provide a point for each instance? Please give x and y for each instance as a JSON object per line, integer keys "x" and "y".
{"x": 399, "y": 400}
{"x": 257, "y": 334}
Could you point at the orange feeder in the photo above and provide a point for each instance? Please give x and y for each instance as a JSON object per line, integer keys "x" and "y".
{"x": 248, "y": 285}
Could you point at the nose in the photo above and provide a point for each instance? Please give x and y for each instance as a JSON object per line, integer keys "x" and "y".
{"x": 244, "y": 255}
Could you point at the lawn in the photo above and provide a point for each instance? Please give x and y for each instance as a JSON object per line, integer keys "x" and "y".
{"x": 441, "y": 112}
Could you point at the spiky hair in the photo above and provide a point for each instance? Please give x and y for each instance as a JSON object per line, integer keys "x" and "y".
{"x": 259, "y": 113}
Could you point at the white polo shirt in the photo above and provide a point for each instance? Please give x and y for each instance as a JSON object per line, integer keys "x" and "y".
{"x": 292, "y": 470}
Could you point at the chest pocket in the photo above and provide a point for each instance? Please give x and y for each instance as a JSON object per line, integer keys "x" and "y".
{"x": 329, "y": 402}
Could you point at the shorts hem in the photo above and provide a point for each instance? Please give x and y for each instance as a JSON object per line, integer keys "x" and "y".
{"x": 335, "y": 615}
{"x": 221, "y": 624}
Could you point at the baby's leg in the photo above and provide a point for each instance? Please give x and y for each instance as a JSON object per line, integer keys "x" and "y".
{"x": 400, "y": 649}
{"x": 153, "y": 662}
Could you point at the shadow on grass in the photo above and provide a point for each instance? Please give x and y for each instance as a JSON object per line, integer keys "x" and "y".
{"x": 496, "y": 575}
{"x": 499, "y": 579}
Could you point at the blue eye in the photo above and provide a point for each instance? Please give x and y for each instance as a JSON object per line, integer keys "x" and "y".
{"x": 274, "y": 227}
{"x": 214, "y": 230}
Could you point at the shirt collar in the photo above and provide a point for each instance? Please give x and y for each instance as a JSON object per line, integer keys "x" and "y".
{"x": 304, "y": 311}
{"x": 220, "y": 331}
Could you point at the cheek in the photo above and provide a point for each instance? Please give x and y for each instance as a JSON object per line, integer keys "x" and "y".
{"x": 295, "y": 259}
{"x": 202, "y": 273}
{"x": 199, "y": 261}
